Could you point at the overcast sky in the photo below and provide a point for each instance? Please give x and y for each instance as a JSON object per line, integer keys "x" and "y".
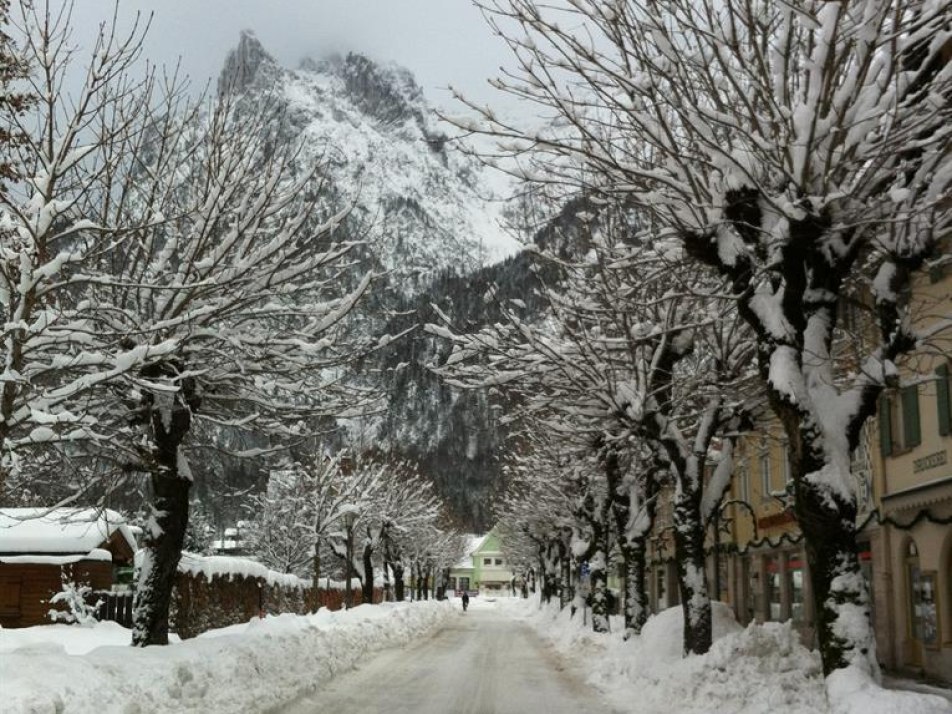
{"x": 442, "y": 42}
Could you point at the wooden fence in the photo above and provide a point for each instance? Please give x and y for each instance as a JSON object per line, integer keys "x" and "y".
{"x": 113, "y": 606}
{"x": 201, "y": 602}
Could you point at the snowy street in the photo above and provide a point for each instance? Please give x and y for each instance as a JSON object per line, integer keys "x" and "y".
{"x": 510, "y": 655}
{"x": 483, "y": 662}
{"x": 627, "y": 324}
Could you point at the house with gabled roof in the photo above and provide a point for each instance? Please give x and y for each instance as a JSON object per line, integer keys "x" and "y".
{"x": 484, "y": 570}
{"x": 42, "y": 547}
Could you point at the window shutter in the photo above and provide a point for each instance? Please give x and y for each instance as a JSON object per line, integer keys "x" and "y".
{"x": 943, "y": 403}
{"x": 885, "y": 426}
{"x": 911, "y": 434}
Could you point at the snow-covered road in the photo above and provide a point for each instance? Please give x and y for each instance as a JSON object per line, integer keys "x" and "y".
{"x": 483, "y": 662}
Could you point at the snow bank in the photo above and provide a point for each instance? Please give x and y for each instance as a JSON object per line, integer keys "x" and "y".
{"x": 761, "y": 669}
{"x": 71, "y": 639}
{"x": 253, "y": 667}
{"x": 851, "y": 691}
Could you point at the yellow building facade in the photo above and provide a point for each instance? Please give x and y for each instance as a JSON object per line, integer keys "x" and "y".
{"x": 902, "y": 474}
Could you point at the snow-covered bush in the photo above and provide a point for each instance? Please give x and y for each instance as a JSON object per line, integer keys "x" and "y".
{"x": 74, "y": 597}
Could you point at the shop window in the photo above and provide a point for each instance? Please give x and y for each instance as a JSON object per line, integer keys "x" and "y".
{"x": 754, "y": 592}
{"x": 722, "y": 578}
{"x": 794, "y": 577}
{"x": 772, "y": 587}
{"x": 748, "y": 585}
{"x": 914, "y": 602}
{"x": 899, "y": 428}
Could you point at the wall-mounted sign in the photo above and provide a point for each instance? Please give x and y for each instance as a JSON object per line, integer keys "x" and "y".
{"x": 939, "y": 458}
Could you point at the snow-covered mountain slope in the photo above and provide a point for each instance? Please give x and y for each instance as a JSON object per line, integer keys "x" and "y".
{"x": 422, "y": 207}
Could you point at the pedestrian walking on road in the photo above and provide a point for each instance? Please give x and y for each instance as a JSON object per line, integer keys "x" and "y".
{"x": 465, "y": 600}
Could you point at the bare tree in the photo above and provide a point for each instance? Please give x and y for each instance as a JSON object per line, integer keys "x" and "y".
{"x": 637, "y": 345}
{"x": 251, "y": 296}
{"x": 168, "y": 270}
{"x": 58, "y": 220}
{"x": 537, "y": 508}
{"x": 799, "y": 148}
{"x": 14, "y": 102}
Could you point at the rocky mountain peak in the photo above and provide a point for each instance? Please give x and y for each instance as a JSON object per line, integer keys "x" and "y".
{"x": 386, "y": 93}
{"x": 245, "y": 63}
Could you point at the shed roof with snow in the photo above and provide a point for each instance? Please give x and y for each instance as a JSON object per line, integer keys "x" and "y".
{"x": 64, "y": 531}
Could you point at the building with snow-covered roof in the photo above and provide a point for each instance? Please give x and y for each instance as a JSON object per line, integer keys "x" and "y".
{"x": 903, "y": 486}
{"x": 485, "y": 568}
{"x": 40, "y": 547}
{"x": 232, "y": 542}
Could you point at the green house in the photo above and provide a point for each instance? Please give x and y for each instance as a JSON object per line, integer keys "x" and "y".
{"x": 484, "y": 570}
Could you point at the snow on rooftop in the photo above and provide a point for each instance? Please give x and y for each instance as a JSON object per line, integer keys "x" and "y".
{"x": 97, "y": 554}
{"x": 59, "y": 530}
{"x": 474, "y": 542}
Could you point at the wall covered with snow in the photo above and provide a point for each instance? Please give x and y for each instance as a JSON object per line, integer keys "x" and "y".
{"x": 218, "y": 591}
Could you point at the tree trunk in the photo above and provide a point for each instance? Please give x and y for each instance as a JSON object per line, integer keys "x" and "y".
{"x": 418, "y": 572}
{"x": 636, "y": 595}
{"x": 393, "y": 560}
{"x": 367, "y": 584}
{"x": 566, "y": 581}
{"x": 692, "y": 581}
{"x": 638, "y": 493}
{"x": 162, "y": 547}
{"x": 550, "y": 570}
{"x": 398, "y": 583}
{"x": 839, "y": 587}
{"x": 444, "y": 581}
{"x": 598, "y": 580}
{"x": 387, "y": 585}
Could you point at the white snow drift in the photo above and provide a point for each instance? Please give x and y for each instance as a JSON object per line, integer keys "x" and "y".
{"x": 253, "y": 667}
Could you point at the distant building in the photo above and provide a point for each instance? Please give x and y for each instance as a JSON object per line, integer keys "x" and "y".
{"x": 232, "y": 541}
{"x": 484, "y": 570}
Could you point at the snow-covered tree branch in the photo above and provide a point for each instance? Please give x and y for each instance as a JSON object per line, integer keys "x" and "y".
{"x": 801, "y": 150}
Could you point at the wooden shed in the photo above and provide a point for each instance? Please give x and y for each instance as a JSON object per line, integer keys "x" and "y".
{"x": 39, "y": 547}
